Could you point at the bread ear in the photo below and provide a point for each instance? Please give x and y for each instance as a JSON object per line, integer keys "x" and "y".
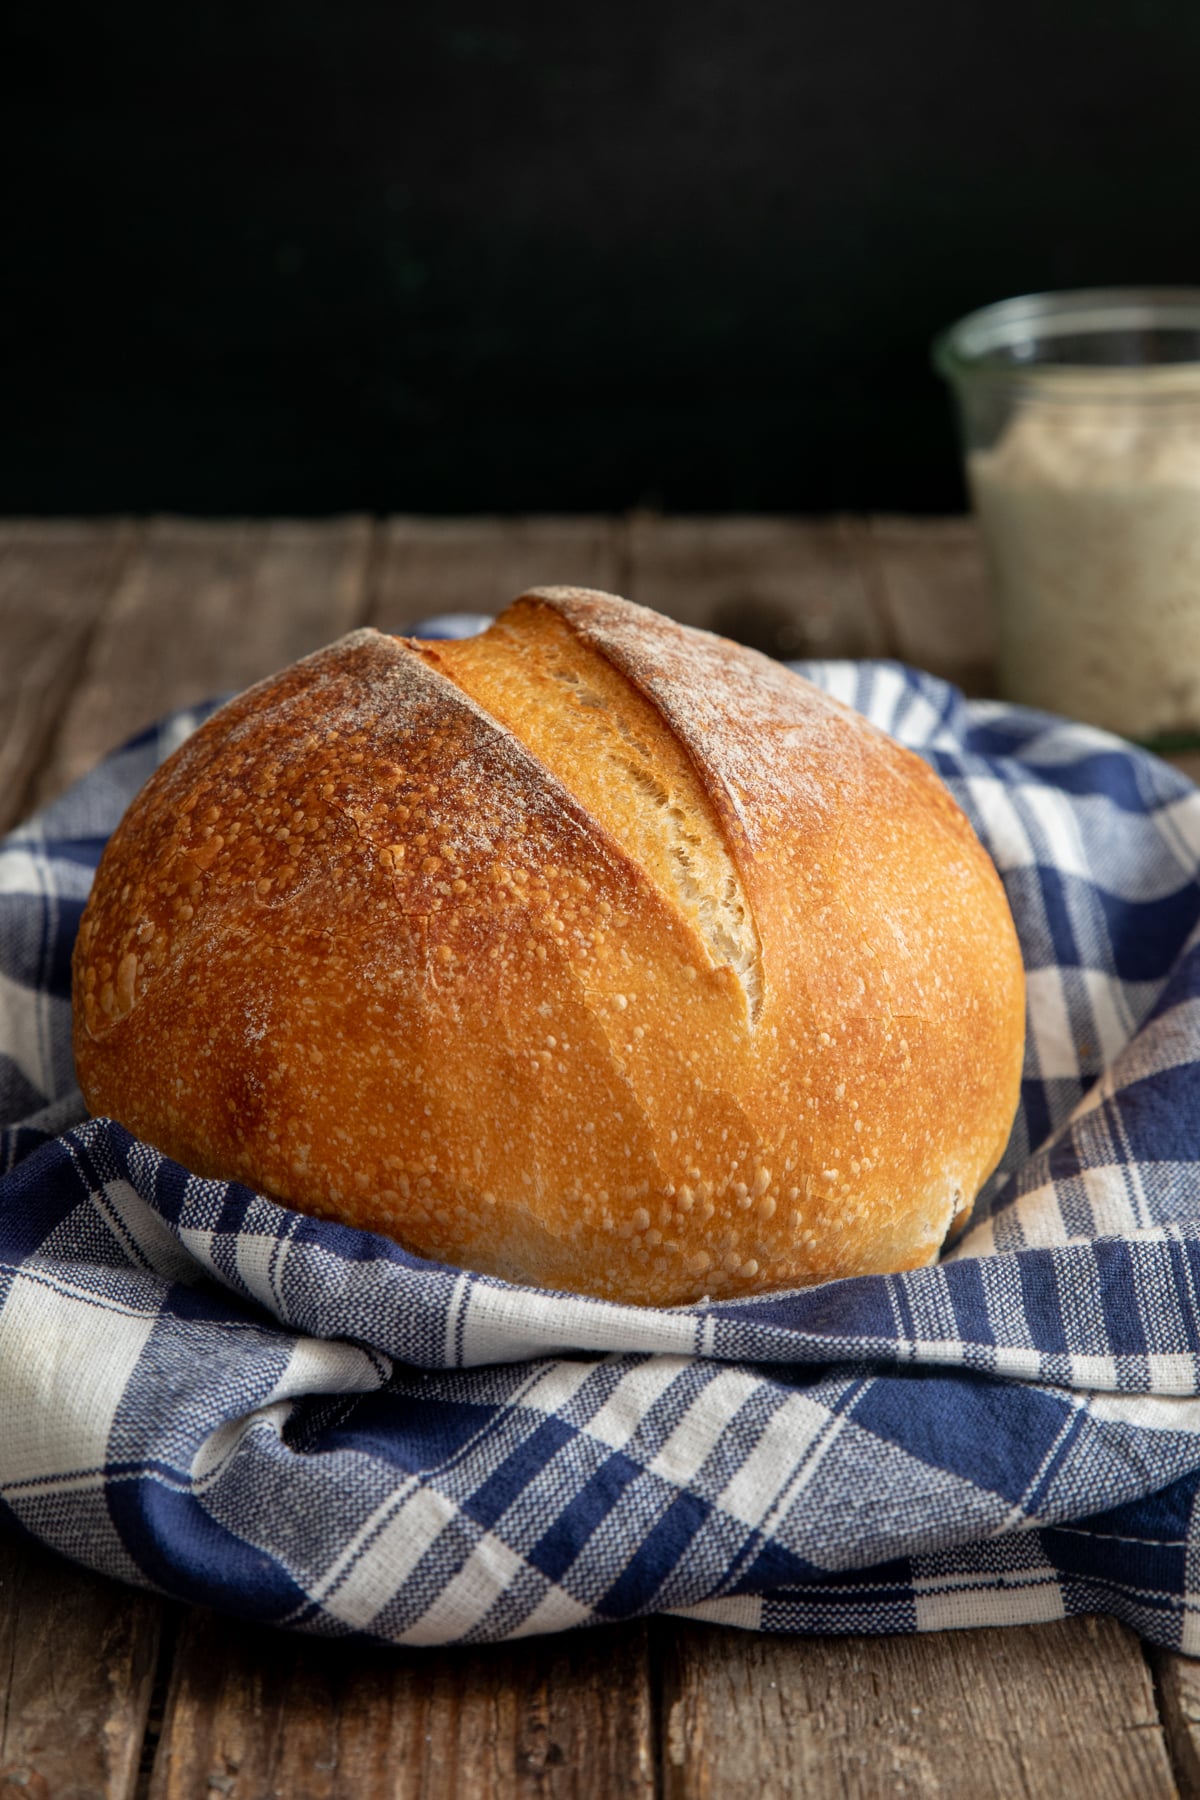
{"x": 614, "y": 750}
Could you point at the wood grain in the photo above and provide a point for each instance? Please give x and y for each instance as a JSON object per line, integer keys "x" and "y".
{"x": 1177, "y": 1681}
{"x": 78, "y": 1658}
{"x": 927, "y": 579}
{"x": 253, "y": 1714}
{"x": 1038, "y": 1711}
{"x": 55, "y": 580}
{"x": 789, "y": 587}
{"x": 430, "y": 566}
{"x": 201, "y": 609}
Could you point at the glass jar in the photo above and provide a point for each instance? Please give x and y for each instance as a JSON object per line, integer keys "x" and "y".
{"x": 1080, "y": 417}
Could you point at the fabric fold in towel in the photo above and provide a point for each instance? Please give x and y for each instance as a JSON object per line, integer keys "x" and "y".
{"x": 209, "y": 1393}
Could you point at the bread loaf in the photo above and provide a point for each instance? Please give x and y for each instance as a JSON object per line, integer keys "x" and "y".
{"x": 596, "y": 953}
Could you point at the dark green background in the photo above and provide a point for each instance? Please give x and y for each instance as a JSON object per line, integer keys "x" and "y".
{"x": 265, "y": 258}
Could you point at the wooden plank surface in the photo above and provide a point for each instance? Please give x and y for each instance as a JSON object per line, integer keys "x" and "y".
{"x": 1038, "y": 1711}
{"x": 927, "y": 580}
{"x": 102, "y": 628}
{"x": 252, "y": 1713}
{"x": 78, "y": 1655}
{"x": 789, "y": 587}
{"x": 429, "y": 566}
{"x": 55, "y": 581}
{"x": 1177, "y": 1679}
{"x": 204, "y": 608}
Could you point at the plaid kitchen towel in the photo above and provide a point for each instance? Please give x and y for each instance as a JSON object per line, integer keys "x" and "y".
{"x": 204, "y": 1392}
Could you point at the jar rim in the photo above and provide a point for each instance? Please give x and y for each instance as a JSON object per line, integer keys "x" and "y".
{"x": 975, "y": 345}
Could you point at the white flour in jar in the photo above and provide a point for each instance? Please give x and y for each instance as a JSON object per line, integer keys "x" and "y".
{"x": 1089, "y": 508}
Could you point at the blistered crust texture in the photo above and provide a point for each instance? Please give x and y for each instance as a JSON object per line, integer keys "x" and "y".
{"x": 357, "y": 945}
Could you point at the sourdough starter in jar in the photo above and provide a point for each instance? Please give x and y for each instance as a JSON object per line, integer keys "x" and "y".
{"x": 1089, "y": 507}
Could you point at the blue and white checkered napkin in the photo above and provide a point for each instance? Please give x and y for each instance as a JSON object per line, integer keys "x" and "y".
{"x": 207, "y": 1393}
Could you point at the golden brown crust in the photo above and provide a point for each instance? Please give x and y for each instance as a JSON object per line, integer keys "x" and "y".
{"x": 361, "y": 946}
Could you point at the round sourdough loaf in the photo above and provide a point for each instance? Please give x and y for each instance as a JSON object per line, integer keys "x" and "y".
{"x": 595, "y": 952}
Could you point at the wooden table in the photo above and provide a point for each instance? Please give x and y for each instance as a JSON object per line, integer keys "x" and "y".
{"x": 117, "y": 1693}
